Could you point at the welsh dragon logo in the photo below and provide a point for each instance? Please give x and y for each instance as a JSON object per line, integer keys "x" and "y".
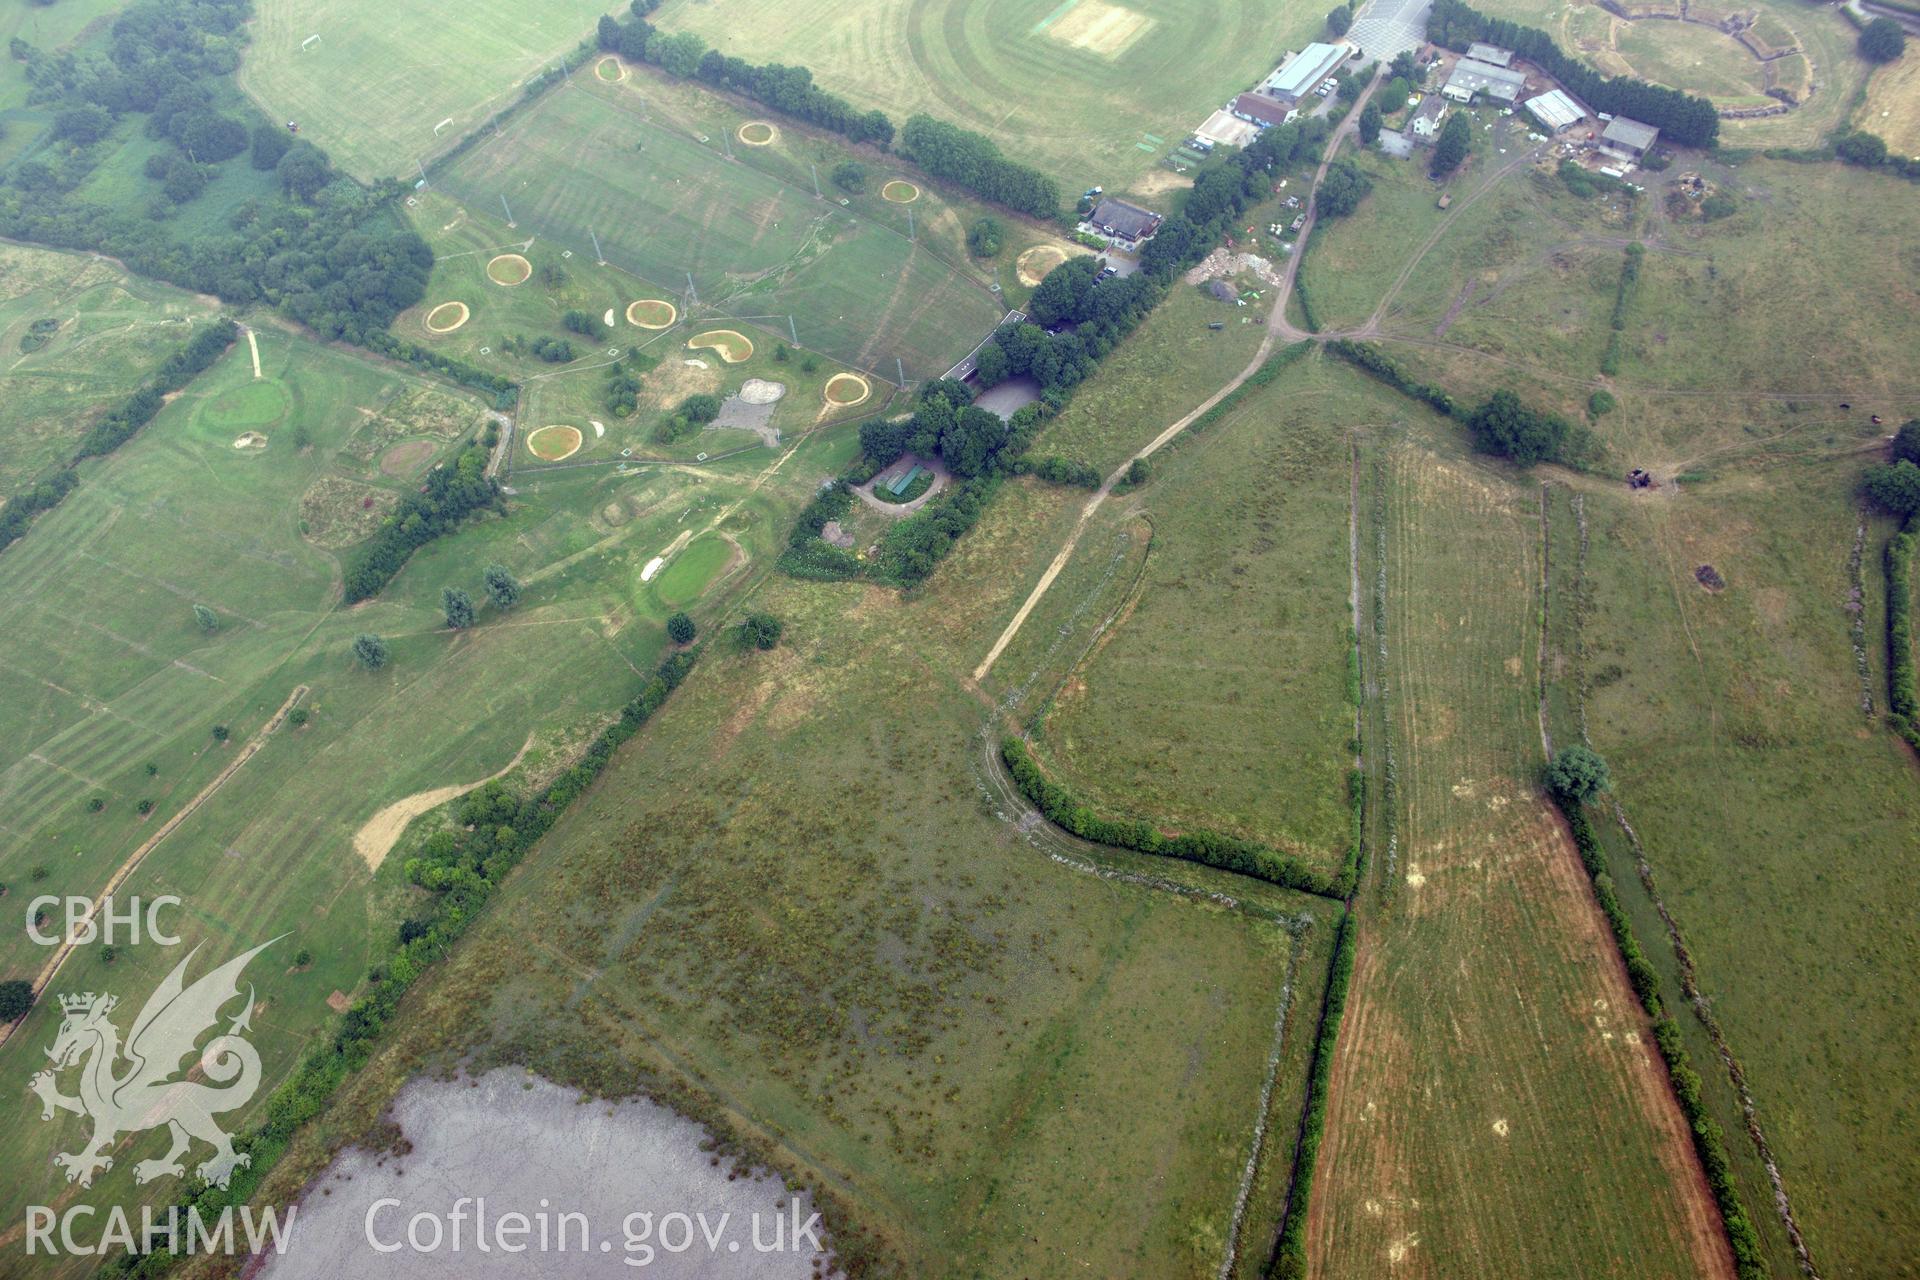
{"x": 145, "y": 1093}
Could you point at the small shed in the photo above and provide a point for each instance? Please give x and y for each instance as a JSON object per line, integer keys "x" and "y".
{"x": 1628, "y": 139}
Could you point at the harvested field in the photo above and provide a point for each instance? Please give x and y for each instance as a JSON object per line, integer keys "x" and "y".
{"x": 1497, "y": 1105}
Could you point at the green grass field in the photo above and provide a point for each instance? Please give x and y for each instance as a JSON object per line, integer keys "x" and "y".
{"x": 1164, "y": 370}
{"x": 1745, "y": 763}
{"x": 584, "y": 162}
{"x": 862, "y": 974}
{"x": 105, "y": 671}
{"x": 113, "y": 330}
{"x": 376, "y": 87}
{"x": 1217, "y": 697}
{"x": 1093, "y": 92}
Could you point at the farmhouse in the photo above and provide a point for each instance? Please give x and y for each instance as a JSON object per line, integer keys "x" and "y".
{"x": 1555, "y": 110}
{"x": 1118, "y": 220}
{"x": 1261, "y": 111}
{"x": 1472, "y": 77}
{"x": 1628, "y": 139}
{"x": 1491, "y": 53}
{"x": 1427, "y": 118}
{"x": 1298, "y": 76}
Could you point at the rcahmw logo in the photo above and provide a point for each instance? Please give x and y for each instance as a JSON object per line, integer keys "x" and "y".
{"x": 128, "y": 1087}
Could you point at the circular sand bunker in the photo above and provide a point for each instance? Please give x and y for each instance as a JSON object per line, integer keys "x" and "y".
{"x": 555, "y": 443}
{"x": 447, "y": 317}
{"x": 1033, "y": 265}
{"x": 732, "y": 347}
{"x": 652, "y": 313}
{"x": 610, "y": 69}
{"x": 509, "y": 269}
{"x": 900, "y": 191}
{"x": 844, "y": 389}
{"x": 760, "y": 391}
{"x": 757, "y": 133}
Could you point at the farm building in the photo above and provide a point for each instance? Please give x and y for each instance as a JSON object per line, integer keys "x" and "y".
{"x": 1261, "y": 111}
{"x": 1299, "y": 75}
{"x": 1472, "y": 77}
{"x": 1119, "y": 220}
{"x": 1490, "y": 53}
{"x": 1628, "y": 139}
{"x": 1223, "y": 129}
{"x": 1427, "y": 118}
{"x": 1555, "y": 110}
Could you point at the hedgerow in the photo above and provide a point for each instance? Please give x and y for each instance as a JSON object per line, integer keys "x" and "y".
{"x": 1215, "y": 849}
{"x": 1708, "y": 1139}
{"x": 1370, "y": 359}
{"x": 1903, "y": 707}
{"x": 1289, "y": 1260}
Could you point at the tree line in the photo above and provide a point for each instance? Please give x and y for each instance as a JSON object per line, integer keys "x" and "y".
{"x": 320, "y": 247}
{"x": 1682, "y": 117}
{"x": 451, "y": 493}
{"x": 1503, "y": 424}
{"x": 118, "y": 425}
{"x": 788, "y": 90}
{"x": 1060, "y": 806}
{"x": 972, "y": 161}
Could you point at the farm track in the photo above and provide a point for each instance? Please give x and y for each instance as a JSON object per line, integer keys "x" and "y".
{"x": 167, "y": 828}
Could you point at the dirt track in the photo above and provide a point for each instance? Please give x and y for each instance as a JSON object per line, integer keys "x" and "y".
{"x": 167, "y": 828}
{"x": 1277, "y": 328}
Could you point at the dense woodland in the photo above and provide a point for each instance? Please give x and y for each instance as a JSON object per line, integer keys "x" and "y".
{"x": 322, "y": 248}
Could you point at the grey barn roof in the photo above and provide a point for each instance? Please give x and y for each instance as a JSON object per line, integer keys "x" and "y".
{"x": 1629, "y": 133}
{"x": 1492, "y": 53}
{"x": 1128, "y": 220}
{"x": 1473, "y": 76}
{"x": 1555, "y": 109}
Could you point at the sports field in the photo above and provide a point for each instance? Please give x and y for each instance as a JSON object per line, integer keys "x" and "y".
{"x": 110, "y": 688}
{"x": 76, "y": 333}
{"x": 387, "y": 87}
{"x": 1089, "y": 90}
{"x": 1217, "y": 697}
{"x": 584, "y": 162}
